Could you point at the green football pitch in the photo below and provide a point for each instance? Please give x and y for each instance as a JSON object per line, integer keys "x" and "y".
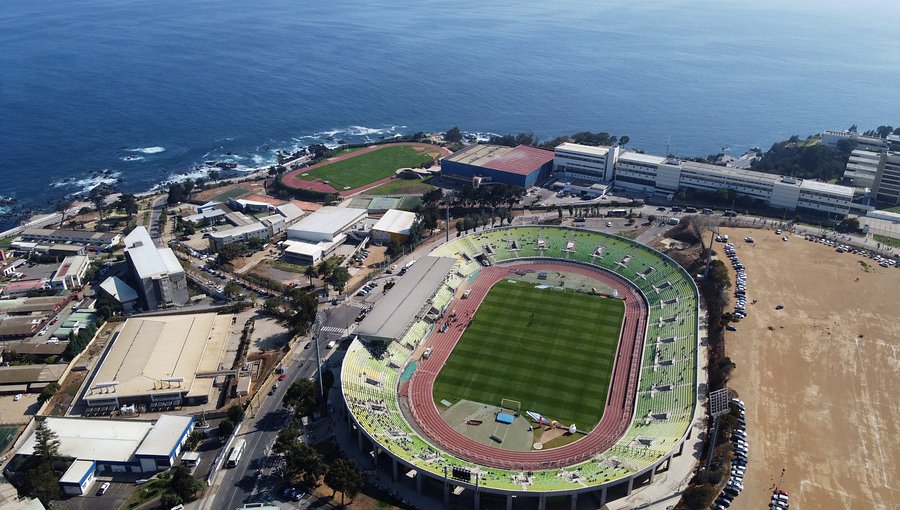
{"x": 369, "y": 167}
{"x": 551, "y": 350}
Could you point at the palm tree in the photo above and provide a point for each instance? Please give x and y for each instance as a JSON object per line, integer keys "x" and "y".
{"x": 324, "y": 271}
{"x": 310, "y": 272}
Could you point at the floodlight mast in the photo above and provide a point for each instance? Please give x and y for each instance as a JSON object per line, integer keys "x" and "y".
{"x": 718, "y": 406}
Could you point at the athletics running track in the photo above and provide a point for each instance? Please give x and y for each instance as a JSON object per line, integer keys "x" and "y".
{"x": 620, "y": 401}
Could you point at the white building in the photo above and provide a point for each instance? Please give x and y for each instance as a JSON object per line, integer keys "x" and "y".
{"x": 291, "y": 213}
{"x": 326, "y": 224}
{"x": 585, "y": 161}
{"x": 156, "y": 274}
{"x": 395, "y": 224}
{"x": 70, "y": 273}
{"x": 862, "y": 168}
{"x": 873, "y": 143}
{"x": 636, "y": 171}
{"x": 113, "y": 447}
{"x": 255, "y": 230}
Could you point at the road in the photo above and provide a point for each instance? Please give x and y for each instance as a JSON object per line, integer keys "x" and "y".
{"x": 238, "y": 485}
{"x": 159, "y": 204}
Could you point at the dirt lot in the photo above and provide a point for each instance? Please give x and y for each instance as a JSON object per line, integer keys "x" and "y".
{"x": 819, "y": 376}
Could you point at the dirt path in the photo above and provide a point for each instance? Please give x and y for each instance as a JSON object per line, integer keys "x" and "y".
{"x": 819, "y": 376}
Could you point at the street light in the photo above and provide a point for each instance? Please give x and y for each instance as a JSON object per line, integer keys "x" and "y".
{"x": 317, "y": 330}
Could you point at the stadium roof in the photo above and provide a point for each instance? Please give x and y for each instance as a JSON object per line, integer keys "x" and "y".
{"x": 148, "y": 354}
{"x": 521, "y": 159}
{"x": 148, "y": 260}
{"x": 396, "y": 222}
{"x": 391, "y": 317}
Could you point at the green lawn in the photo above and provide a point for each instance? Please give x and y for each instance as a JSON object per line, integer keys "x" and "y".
{"x": 402, "y": 187}
{"x": 890, "y": 241}
{"x": 551, "y": 350}
{"x": 365, "y": 168}
{"x": 895, "y": 209}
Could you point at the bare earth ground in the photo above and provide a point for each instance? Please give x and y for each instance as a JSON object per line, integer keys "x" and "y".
{"x": 820, "y": 376}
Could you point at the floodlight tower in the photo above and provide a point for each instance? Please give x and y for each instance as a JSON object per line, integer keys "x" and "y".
{"x": 718, "y": 406}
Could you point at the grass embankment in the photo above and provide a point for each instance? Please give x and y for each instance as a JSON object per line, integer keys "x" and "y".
{"x": 366, "y": 168}
{"x": 890, "y": 241}
{"x": 402, "y": 187}
{"x": 551, "y": 350}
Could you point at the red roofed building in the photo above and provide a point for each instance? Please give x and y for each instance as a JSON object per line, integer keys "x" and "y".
{"x": 518, "y": 166}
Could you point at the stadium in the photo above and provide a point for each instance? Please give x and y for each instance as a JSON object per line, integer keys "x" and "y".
{"x": 525, "y": 366}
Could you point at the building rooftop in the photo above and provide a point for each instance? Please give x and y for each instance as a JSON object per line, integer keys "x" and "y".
{"x": 31, "y": 304}
{"x": 161, "y": 355}
{"x": 71, "y": 265}
{"x": 236, "y": 231}
{"x": 582, "y": 149}
{"x": 166, "y": 433}
{"x": 396, "y": 221}
{"x": 118, "y": 289}
{"x": 329, "y": 220}
{"x": 637, "y": 157}
{"x": 825, "y": 187}
{"x": 77, "y": 472}
{"x": 290, "y": 211}
{"x": 24, "y": 374}
{"x": 75, "y": 234}
{"x": 521, "y": 160}
{"x": 391, "y": 317}
{"x": 148, "y": 260}
{"x": 23, "y": 286}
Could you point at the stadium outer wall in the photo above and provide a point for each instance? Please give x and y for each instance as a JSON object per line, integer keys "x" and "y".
{"x": 624, "y": 485}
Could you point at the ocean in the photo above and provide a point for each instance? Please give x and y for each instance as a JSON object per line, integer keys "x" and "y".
{"x": 138, "y": 93}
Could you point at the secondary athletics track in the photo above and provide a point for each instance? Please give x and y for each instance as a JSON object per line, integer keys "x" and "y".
{"x": 620, "y": 400}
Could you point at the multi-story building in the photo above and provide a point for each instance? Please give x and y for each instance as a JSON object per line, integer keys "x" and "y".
{"x": 647, "y": 173}
{"x": 70, "y": 273}
{"x": 862, "y": 168}
{"x": 87, "y": 238}
{"x": 585, "y": 161}
{"x": 886, "y": 186}
{"x": 873, "y": 143}
{"x": 156, "y": 274}
{"x": 255, "y": 230}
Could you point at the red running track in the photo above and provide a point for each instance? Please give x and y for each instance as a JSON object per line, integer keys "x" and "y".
{"x": 619, "y": 405}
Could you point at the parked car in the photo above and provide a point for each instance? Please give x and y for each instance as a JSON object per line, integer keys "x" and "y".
{"x": 103, "y": 489}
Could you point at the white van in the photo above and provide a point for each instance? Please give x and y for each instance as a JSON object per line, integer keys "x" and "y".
{"x": 331, "y": 345}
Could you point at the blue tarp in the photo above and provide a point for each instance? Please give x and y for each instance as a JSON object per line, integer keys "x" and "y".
{"x": 504, "y": 418}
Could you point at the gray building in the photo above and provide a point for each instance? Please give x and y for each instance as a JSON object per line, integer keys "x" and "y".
{"x": 156, "y": 274}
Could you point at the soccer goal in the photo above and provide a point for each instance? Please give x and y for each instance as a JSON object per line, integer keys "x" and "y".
{"x": 512, "y": 405}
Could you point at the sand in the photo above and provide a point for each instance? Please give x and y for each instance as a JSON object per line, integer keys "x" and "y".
{"x": 819, "y": 377}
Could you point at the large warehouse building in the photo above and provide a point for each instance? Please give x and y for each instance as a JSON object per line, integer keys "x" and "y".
{"x": 111, "y": 447}
{"x": 517, "y": 166}
{"x": 406, "y": 301}
{"x": 160, "y": 363}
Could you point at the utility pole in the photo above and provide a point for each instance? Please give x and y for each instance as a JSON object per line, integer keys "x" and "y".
{"x": 317, "y": 332}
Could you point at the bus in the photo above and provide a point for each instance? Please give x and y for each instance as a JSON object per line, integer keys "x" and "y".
{"x": 236, "y": 451}
{"x": 617, "y": 213}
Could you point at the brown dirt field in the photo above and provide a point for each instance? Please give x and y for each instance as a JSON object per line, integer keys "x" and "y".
{"x": 818, "y": 377}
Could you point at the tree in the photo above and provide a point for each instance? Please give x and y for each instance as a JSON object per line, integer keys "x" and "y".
{"x": 339, "y": 277}
{"x": 48, "y": 392}
{"x": 46, "y": 445}
{"x": 235, "y": 413}
{"x": 42, "y": 482}
{"x": 624, "y": 139}
{"x": 343, "y": 477}
{"x": 170, "y": 500}
{"x": 304, "y": 305}
{"x": 183, "y": 484}
{"x": 848, "y": 225}
{"x": 302, "y": 396}
{"x": 127, "y": 203}
{"x": 99, "y": 202}
{"x": 232, "y": 290}
{"x": 193, "y": 441}
{"x": 394, "y": 248}
{"x": 231, "y": 251}
{"x": 214, "y": 176}
{"x": 324, "y": 270}
{"x": 310, "y": 272}
{"x": 884, "y": 131}
{"x": 300, "y": 459}
{"x": 453, "y": 135}
{"x": 226, "y": 427}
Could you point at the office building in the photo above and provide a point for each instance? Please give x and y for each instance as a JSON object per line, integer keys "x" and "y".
{"x": 155, "y": 273}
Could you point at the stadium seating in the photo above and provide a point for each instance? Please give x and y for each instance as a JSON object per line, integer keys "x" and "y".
{"x": 666, "y": 397}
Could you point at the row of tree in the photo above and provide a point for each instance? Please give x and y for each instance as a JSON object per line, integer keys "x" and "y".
{"x": 306, "y": 463}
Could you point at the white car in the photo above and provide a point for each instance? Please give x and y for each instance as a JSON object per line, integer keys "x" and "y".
{"x": 103, "y": 489}
{"x": 18, "y": 397}
{"x": 608, "y": 223}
